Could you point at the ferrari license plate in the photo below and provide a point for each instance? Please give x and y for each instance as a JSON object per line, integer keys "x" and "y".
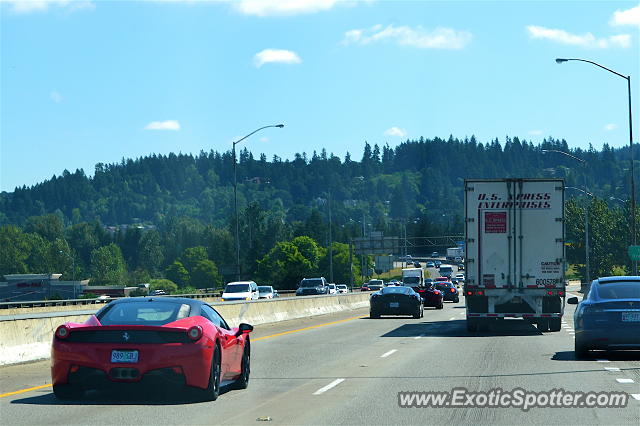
{"x": 631, "y": 317}
{"x": 124, "y": 356}
{"x": 394, "y": 304}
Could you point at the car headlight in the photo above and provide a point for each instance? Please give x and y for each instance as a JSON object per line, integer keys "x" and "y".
{"x": 222, "y": 298}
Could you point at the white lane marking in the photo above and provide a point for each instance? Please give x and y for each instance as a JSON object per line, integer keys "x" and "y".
{"x": 417, "y": 337}
{"x": 635, "y": 396}
{"x": 625, "y": 381}
{"x": 461, "y": 313}
{"x": 612, "y": 368}
{"x": 333, "y": 384}
{"x": 603, "y": 360}
{"x": 386, "y": 354}
{"x": 452, "y": 318}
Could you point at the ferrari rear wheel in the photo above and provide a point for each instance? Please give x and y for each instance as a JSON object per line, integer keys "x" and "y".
{"x": 67, "y": 391}
{"x": 374, "y": 315}
{"x": 213, "y": 389}
{"x": 245, "y": 369}
{"x": 418, "y": 313}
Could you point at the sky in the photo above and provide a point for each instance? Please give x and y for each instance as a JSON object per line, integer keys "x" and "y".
{"x": 87, "y": 82}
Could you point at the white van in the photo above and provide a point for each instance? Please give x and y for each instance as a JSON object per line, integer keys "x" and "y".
{"x": 446, "y": 271}
{"x": 241, "y": 290}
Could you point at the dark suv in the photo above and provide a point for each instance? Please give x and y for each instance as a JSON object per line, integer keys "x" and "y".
{"x": 310, "y": 286}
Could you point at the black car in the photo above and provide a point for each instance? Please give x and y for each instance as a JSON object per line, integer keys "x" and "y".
{"x": 609, "y": 317}
{"x": 395, "y": 301}
{"x": 449, "y": 291}
{"x": 311, "y": 286}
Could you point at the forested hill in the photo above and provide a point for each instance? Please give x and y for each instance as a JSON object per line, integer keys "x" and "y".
{"x": 418, "y": 177}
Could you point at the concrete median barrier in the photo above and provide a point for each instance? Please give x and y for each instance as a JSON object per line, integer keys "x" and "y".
{"x": 26, "y": 336}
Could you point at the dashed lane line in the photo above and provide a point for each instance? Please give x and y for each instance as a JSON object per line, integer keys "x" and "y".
{"x": 386, "y": 354}
{"x": 333, "y": 384}
{"x": 625, "y": 381}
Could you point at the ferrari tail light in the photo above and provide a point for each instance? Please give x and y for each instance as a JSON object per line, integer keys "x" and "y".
{"x": 469, "y": 293}
{"x": 453, "y": 290}
{"x": 195, "y": 332}
{"x": 62, "y": 332}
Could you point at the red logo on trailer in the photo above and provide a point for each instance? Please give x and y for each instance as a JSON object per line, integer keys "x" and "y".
{"x": 495, "y": 222}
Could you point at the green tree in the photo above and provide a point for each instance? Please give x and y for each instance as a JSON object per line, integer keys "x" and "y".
{"x": 107, "y": 266}
{"x": 150, "y": 254}
{"x": 163, "y": 284}
{"x": 15, "y": 250}
{"x": 284, "y": 266}
{"x": 49, "y": 226}
{"x": 341, "y": 265}
{"x": 205, "y": 275}
{"x": 191, "y": 256}
{"x": 177, "y": 273}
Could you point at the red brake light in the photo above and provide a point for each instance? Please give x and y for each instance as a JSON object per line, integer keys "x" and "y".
{"x": 469, "y": 293}
{"x": 453, "y": 290}
{"x": 195, "y": 332}
{"x": 561, "y": 293}
{"x": 480, "y": 293}
{"x": 550, "y": 293}
{"x": 62, "y": 332}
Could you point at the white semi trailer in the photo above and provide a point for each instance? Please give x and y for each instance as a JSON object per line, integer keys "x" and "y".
{"x": 514, "y": 240}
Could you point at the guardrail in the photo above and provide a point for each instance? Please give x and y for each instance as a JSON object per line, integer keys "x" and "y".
{"x": 72, "y": 302}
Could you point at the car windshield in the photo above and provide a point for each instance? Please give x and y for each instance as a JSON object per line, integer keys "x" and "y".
{"x": 411, "y": 280}
{"x": 342, "y": 286}
{"x": 264, "y": 289}
{"x": 143, "y": 313}
{"x": 441, "y": 286}
{"x": 375, "y": 282}
{"x": 312, "y": 282}
{"x": 237, "y": 288}
{"x": 396, "y": 290}
{"x": 620, "y": 290}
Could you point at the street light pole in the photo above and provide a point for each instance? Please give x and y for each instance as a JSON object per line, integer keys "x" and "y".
{"x": 633, "y": 184}
{"x": 235, "y": 194}
{"x": 586, "y": 215}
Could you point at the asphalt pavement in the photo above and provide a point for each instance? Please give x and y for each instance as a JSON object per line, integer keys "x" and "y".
{"x": 348, "y": 369}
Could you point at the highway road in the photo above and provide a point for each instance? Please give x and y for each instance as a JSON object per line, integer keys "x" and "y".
{"x": 348, "y": 369}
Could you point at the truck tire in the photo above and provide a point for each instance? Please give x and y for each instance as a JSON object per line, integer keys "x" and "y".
{"x": 542, "y": 325}
{"x": 555, "y": 324}
{"x": 472, "y": 325}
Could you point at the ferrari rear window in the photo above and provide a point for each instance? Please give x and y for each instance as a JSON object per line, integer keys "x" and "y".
{"x": 620, "y": 290}
{"x": 143, "y": 313}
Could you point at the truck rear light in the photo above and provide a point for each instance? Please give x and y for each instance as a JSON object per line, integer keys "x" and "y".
{"x": 74, "y": 368}
{"x": 195, "y": 333}
{"x": 62, "y": 332}
{"x": 469, "y": 293}
{"x": 480, "y": 293}
{"x": 550, "y": 293}
{"x": 560, "y": 293}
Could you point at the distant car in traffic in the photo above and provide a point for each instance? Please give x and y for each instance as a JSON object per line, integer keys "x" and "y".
{"x": 428, "y": 282}
{"x": 266, "y": 292}
{"x": 449, "y": 291}
{"x": 609, "y": 317}
{"x": 333, "y": 289}
{"x": 460, "y": 266}
{"x": 144, "y": 340}
{"x": 417, "y": 265}
{"x": 398, "y": 300}
{"x": 430, "y": 264}
{"x": 312, "y": 286}
{"x": 457, "y": 259}
{"x": 435, "y": 254}
{"x": 392, "y": 283}
{"x": 375, "y": 284}
{"x": 437, "y": 263}
{"x": 241, "y": 290}
{"x": 342, "y": 288}
{"x": 157, "y": 293}
{"x": 430, "y": 296}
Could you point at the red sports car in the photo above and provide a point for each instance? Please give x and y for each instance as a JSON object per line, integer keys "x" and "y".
{"x": 150, "y": 340}
{"x": 430, "y": 296}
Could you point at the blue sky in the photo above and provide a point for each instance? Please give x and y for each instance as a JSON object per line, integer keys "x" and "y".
{"x": 84, "y": 82}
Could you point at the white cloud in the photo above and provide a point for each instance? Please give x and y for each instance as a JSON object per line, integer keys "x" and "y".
{"x": 275, "y": 55}
{"x": 163, "y": 125}
{"x": 626, "y": 17}
{"x": 439, "y": 38}
{"x": 29, "y": 6}
{"x": 611, "y": 126}
{"x": 396, "y": 131}
{"x": 587, "y": 40}
{"x": 283, "y": 7}
{"x": 535, "y": 132}
{"x": 56, "y": 96}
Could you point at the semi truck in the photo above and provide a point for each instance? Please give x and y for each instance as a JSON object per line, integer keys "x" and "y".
{"x": 453, "y": 252}
{"x": 514, "y": 240}
{"x": 413, "y": 277}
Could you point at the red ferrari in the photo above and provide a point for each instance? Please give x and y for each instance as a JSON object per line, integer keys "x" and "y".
{"x": 151, "y": 340}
